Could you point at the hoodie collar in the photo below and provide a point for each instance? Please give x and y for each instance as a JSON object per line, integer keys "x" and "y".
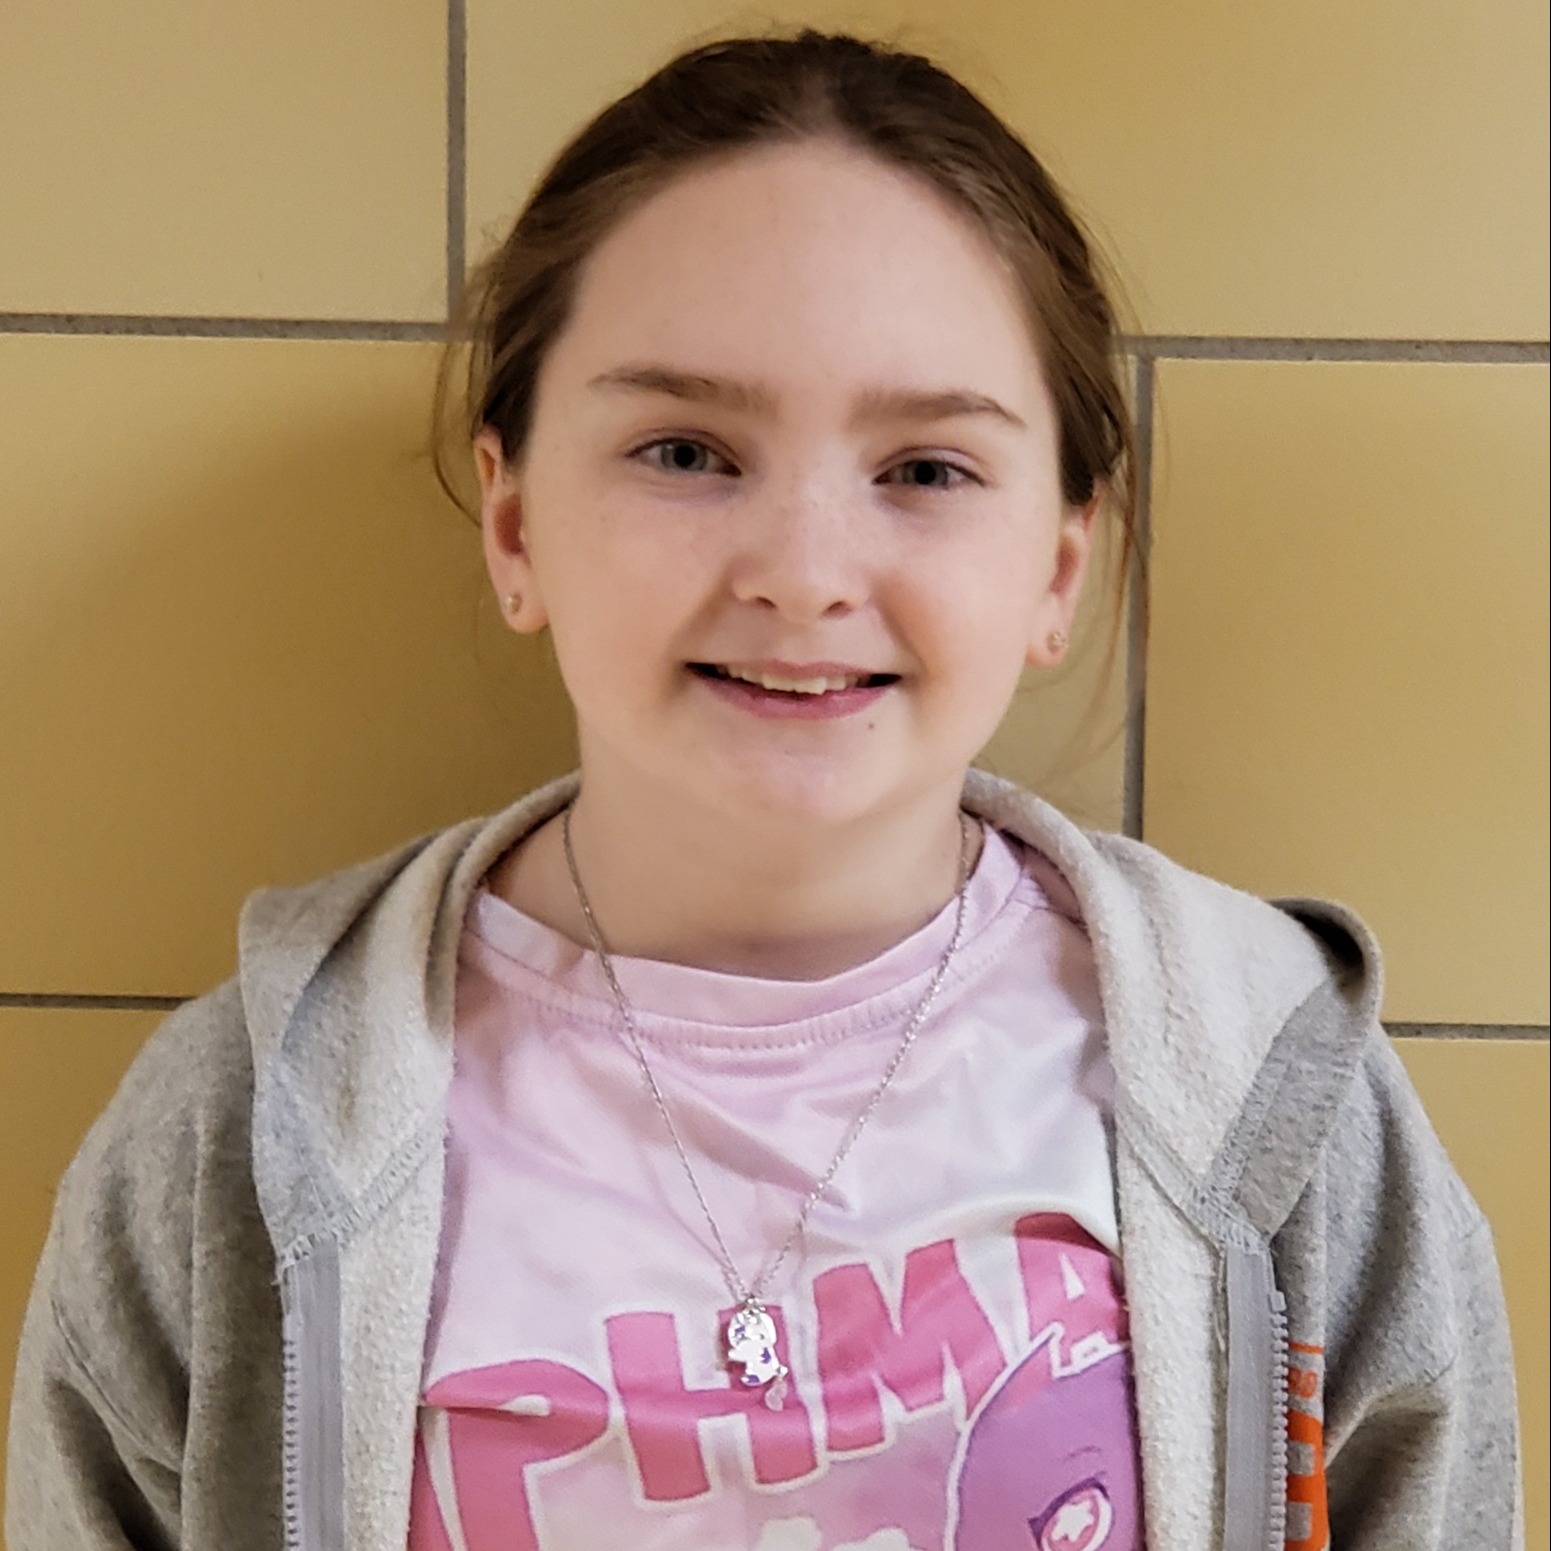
{"x": 348, "y": 986}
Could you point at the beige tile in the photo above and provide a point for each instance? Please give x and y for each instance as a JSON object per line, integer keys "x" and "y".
{"x": 57, "y": 1071}
{"x": 1325, "y": 169}
{"x": 1488, "y": 1102}
{"x": 243, "y": 639}
{"x": 280, "y": 159}
{"x": 1347, "y": 675}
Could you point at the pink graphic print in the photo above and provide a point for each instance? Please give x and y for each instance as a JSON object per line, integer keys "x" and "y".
{"x": 554, "y": 1412}
{"x": 862, "y": 1352}
{"x": 663, "y": 1415}
{"x": 874, "y": 1447}
{"x": 1049, "y": 1462}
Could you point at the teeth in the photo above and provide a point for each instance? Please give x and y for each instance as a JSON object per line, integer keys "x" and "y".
{"x": 794, "y": 686}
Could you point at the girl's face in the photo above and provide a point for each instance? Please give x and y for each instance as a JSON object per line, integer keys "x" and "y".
{"x": 795, "y": 425}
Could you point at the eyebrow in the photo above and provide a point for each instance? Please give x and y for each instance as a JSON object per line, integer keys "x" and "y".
{"x": 872, "y": 405}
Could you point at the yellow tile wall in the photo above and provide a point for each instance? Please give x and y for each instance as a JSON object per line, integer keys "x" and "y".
{"x": 282, "y": 160}
{"x": 243, "y": 640}
{"x": 248, "y": 639}
{"x": 1347, "y": 672}
{"x": 1327, "y": 169}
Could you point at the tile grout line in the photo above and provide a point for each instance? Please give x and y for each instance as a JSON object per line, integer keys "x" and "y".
{"x": 1525, "y": 1033}
{"x": 1229, "y": 347}
{"x": 59, "y": 1001}
{"x": 1136, "y": 609}
{"x": 1145, "y": 347}
{"x": 116, "y": 324}
{"x": 457, "y": 150}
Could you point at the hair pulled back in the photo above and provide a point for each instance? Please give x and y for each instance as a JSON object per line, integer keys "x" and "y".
{"x": 742, "y": 93}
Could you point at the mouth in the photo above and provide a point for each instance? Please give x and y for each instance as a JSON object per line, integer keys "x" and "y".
{"x": 796, "y": 688}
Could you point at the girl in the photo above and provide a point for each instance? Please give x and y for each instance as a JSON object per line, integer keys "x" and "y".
{"x": 777, "y": 1135}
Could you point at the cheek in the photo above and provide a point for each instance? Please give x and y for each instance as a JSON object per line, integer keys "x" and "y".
{"x": 982, "y": 610}
{"x": 618, "y": 580}
{"x": 632, "y": 641}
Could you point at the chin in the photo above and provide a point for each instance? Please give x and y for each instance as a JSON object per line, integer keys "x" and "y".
{"x": 797, "y": 791}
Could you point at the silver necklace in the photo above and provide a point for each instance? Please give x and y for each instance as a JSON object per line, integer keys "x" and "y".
{"x": 750, "y": 1339}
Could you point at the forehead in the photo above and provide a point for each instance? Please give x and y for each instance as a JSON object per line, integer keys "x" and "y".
{"x": 810, "y": 265}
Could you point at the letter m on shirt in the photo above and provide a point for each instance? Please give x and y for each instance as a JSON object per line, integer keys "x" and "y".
{"x": 862, "y": 1350}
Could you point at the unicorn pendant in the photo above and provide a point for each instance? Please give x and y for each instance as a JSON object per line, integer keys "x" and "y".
{"x": 751, "y": 1345}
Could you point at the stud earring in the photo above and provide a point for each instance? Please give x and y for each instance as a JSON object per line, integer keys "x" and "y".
{"x": 513, "y": 599}
{"x": 1056, "y": 641}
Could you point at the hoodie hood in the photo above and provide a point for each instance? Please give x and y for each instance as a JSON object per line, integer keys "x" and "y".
{"x": 348, "y": 984}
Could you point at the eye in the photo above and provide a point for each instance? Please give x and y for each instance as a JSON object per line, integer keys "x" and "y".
{"x": 685, "y": 450}
{"x": 1080, "y": 1519}
{"x": 916, "y": 468}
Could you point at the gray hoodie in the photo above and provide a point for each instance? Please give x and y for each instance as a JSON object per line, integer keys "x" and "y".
{"x": 224, "y": 1343}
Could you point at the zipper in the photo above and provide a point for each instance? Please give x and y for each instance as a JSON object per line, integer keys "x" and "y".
{"x": 312, "y": 1422}
{"x": 1277, "y": 1486}
{"x": 290, "y": 1424}
{"x": 1255, "y": 1465}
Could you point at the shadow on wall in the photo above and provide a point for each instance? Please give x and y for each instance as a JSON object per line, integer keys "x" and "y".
{"x": 1064, "y": 734}
{"x": 247, "y": 641}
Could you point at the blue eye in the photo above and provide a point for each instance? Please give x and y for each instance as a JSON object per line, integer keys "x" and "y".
{"x": 678, "y": 464}
{"x": 916, "y": 465}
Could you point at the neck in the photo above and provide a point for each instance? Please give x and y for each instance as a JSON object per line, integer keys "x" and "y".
{"x": 780, "y": 901}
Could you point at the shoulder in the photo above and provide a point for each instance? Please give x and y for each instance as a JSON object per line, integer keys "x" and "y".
{"x": 155, "y": 1247}
{"x": 1407, "y": 1252}
{"x": 1391, "y": 1172}
{"x": 169, "y": 1151}
{"x": 188, "y": 1084}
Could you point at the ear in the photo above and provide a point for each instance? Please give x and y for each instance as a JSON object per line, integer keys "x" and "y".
{"x": 505, "y": 541}
{"x": 1057, "y": 606}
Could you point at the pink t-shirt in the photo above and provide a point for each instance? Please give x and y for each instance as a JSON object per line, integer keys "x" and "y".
{"x": 952, "y": 1318}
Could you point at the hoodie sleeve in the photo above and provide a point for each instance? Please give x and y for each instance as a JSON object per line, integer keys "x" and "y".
{"x": 80, "y": 1473}
{"x": 144, "y": 1408}
{"x": 1420, "y": 1414}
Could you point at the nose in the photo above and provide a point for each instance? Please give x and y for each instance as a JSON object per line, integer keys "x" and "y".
{"x": 802, "y": 550}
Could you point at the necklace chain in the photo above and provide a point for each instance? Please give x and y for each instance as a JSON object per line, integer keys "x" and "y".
{"x": 747, "y": 1295}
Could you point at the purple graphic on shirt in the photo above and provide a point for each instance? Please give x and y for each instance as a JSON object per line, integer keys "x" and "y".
{"x": 1048, "y": 1462}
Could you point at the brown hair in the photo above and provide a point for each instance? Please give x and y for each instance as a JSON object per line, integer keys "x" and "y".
{"x": 741, "y": 93}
